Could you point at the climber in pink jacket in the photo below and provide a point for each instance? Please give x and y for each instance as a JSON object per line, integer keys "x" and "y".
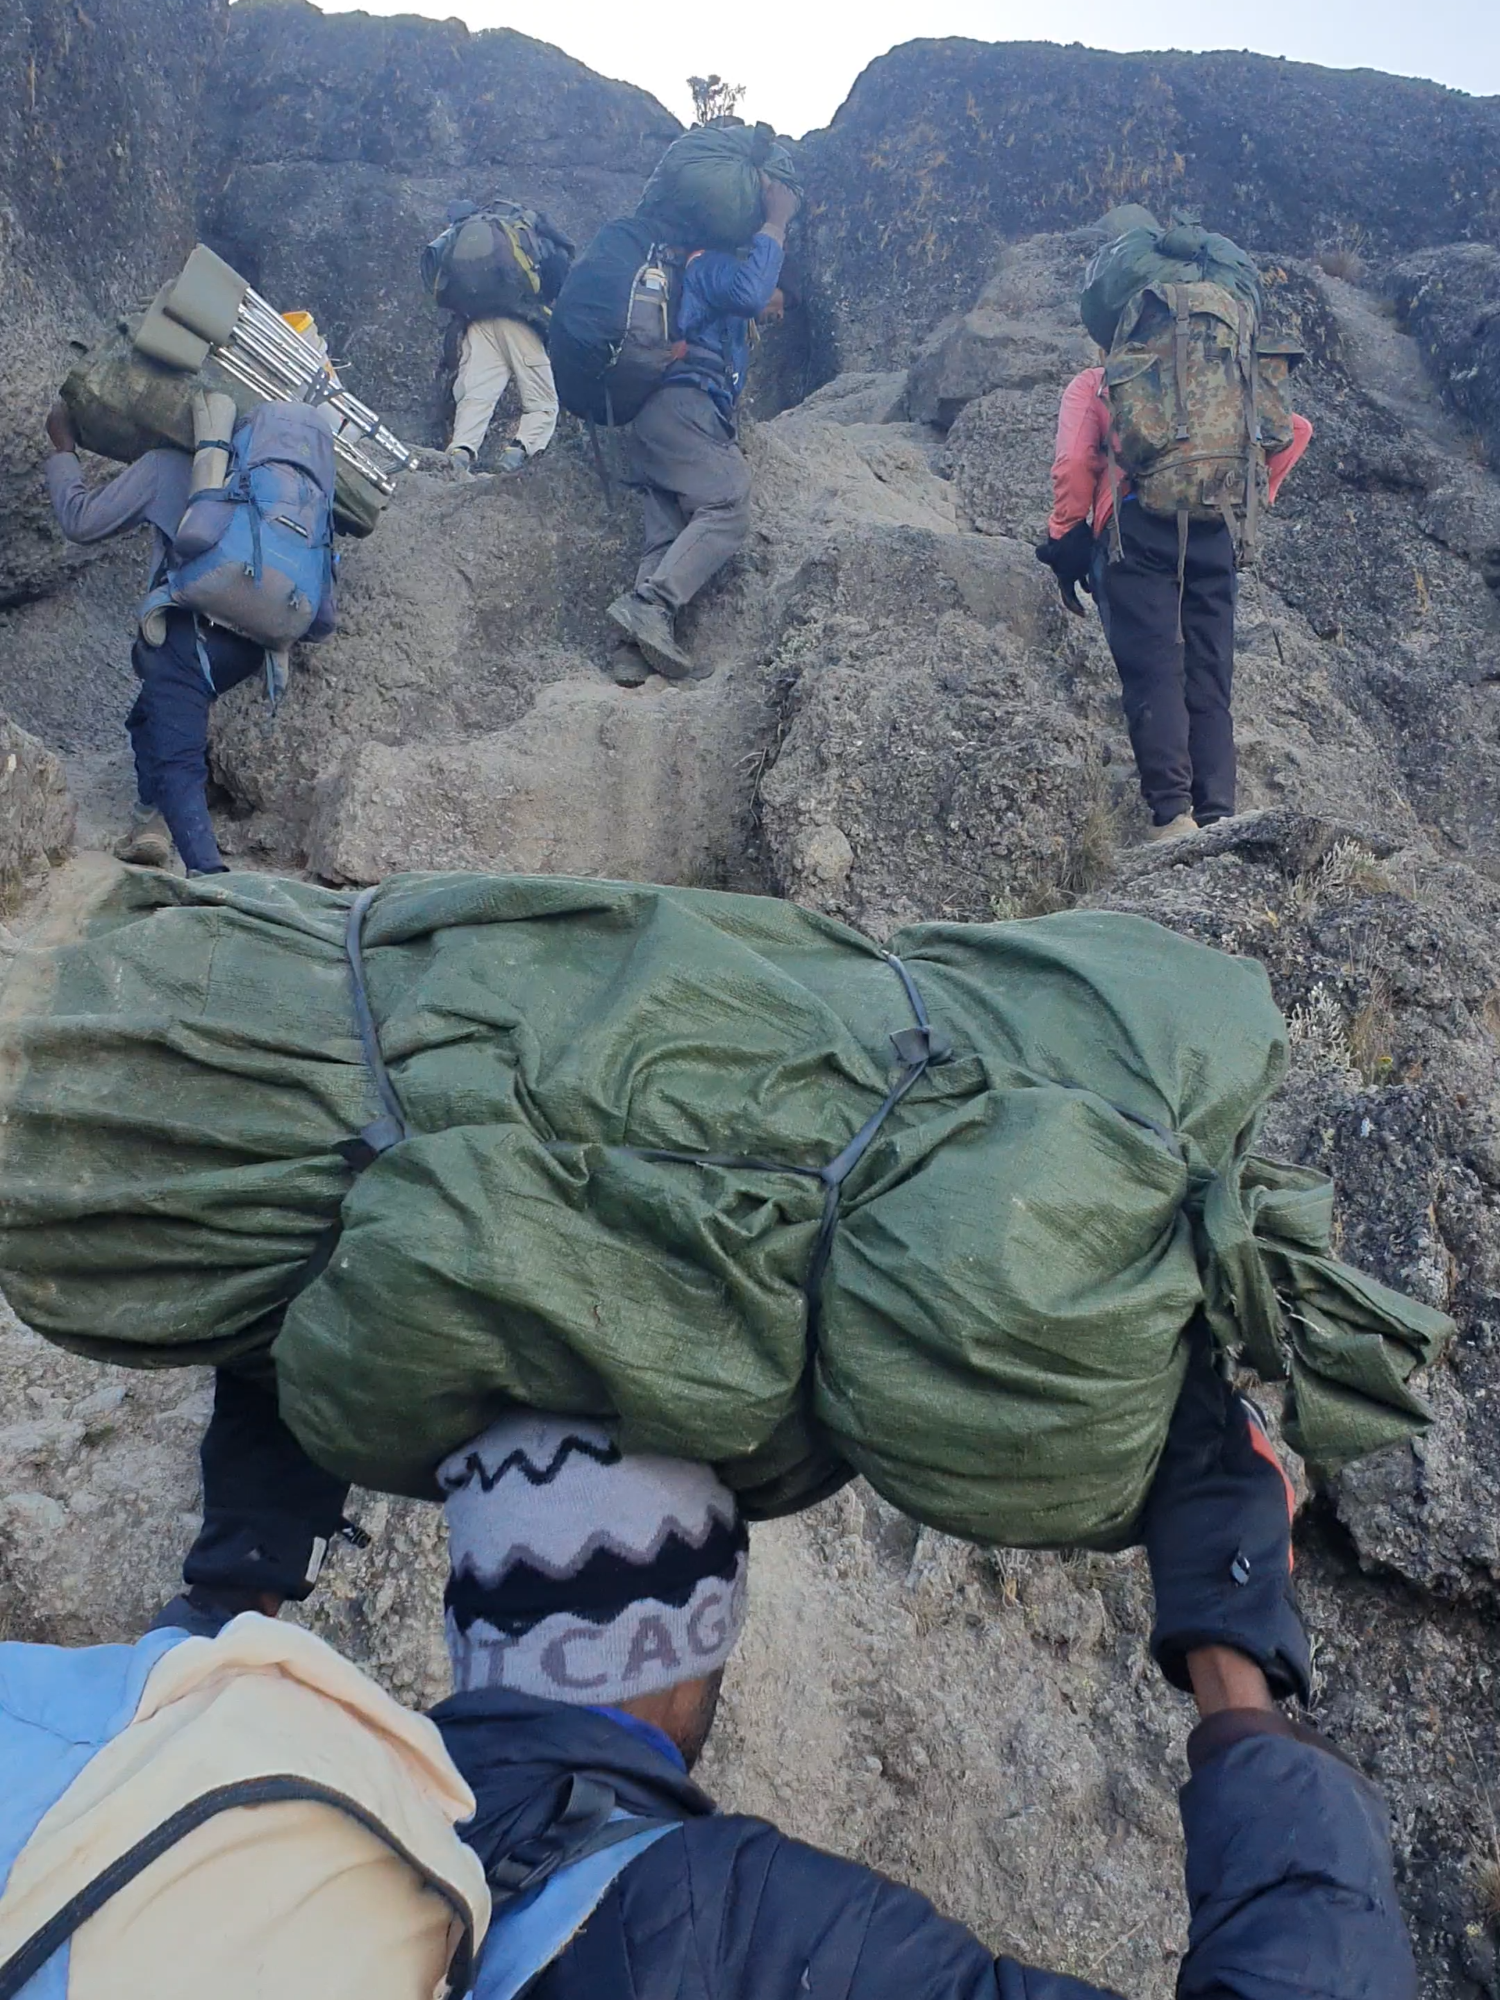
{"x": 1170, "y": 624}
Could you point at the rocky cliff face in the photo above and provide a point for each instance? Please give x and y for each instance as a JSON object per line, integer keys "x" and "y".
{"x": 1451, "y": 301}
{"x": 946, "y": 150}
{"x": 903, "y": 721}
{"x": 100, "y": 124}
{"x": 335, "y": 143}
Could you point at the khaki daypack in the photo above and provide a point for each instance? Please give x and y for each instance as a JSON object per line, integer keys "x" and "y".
{"x": 1196, "y": 403}
{"x": 235, "y": 1817}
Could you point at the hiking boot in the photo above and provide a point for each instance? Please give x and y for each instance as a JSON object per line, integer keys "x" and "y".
{"x": 1175, "y": 829}
{"x": 628, "y": 669}
{"x": 460, "y": 461}
{"x": 148, "y": 844}
{"x": 512, "y": 458}
{"x": 650, "y": 626}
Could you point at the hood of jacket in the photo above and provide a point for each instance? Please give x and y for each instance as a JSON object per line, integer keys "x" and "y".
{"x": 518, "y": 1752}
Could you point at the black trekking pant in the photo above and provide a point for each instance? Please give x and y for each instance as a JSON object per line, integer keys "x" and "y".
{"x": 1177, "y": 690}
{"x": 168, "y": 726}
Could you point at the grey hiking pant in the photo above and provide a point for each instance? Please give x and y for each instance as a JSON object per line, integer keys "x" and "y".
{"x": 694, "y": 485}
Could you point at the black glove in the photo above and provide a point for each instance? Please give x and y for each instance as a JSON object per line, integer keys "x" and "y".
{"x": 268, "y": 1512}
{"x": 1217, "y": 1529}
{"x": 1071, "y": 556}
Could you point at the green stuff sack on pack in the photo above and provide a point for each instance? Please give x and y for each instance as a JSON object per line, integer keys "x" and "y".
{"x": 1146, "y": 255}
{"x": 706, "y": 194}
{"x": 622, "y": 1107}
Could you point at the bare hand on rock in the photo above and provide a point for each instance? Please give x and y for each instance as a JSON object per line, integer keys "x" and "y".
{"x": 60, "y": 432}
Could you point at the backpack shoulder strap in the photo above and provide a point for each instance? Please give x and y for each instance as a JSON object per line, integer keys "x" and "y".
{"x": 29, "y": 1958}
{"x": 526, "y": 1936}
{"x": 1181, "y": 327}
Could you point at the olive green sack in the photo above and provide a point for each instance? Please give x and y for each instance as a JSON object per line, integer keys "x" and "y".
{"x": 1000, "y": 1335}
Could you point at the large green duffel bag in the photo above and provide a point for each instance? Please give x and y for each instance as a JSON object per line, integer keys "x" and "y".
{"x": 124, "y": 404}
{"x": 710, "y": 1165}
{"x": 706, "y": 194}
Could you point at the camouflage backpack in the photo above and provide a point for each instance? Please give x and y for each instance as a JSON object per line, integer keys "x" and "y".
{"x": 1196, "y": 403}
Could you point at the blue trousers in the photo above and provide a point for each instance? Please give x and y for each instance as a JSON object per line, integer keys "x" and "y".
{"x": 168, "y": 727}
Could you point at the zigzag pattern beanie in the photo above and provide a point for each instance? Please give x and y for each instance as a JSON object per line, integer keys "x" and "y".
{"x": 582, "y": 1573}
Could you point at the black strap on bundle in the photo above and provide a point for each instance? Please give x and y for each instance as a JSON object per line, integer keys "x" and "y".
{"x": 917, "y": 1050}
{"x": 391, "y": 1127}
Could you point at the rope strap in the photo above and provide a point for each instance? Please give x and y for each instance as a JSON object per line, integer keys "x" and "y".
{"x": 391, "y": 1127}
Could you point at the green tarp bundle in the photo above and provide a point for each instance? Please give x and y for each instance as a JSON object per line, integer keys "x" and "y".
{"x": 610, "y": 1090}
{"x": 707, "y": 192}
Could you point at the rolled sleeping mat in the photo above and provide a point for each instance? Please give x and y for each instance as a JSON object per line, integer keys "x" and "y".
{"x": 214, "y": 419}
{"x": 162, "y": 338}
{"x": 207, "y": 297}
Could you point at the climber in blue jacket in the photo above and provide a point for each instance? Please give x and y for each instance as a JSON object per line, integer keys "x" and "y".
{"x": 684, "y": 456}
{"x": 593, "y": 1600}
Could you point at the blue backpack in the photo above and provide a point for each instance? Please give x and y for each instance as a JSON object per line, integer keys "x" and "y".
{"x": 256, "y": 555}
{"x": 61, "y": 1706}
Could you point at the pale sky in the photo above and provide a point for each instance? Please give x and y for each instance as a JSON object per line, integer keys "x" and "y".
{"x": 799, "y": 60}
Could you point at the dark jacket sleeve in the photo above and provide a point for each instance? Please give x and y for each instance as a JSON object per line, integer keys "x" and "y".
{"x": 732, "y": 1910}
{"x": 1288, "y": 1874}
{"x": 1289, "y": 1878}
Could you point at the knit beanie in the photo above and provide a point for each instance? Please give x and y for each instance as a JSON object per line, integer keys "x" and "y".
{"x": 582, "y": 1573}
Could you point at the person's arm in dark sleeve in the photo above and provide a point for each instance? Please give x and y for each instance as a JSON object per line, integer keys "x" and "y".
{"x": 1289, "y": 1879}
{"x": 269, "y": 1513}
{"x": 125, "y": 502}
{"x": 757, "y": 1913}
{"x": 738, "y": 287}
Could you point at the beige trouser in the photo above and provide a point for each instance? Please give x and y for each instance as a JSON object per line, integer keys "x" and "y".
{"x": 493, "y": 351}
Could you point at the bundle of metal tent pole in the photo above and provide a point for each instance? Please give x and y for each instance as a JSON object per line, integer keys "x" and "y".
{"x": 209, "y": 310}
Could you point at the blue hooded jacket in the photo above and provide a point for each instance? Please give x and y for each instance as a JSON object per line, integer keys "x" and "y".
{"x": 722, "y": 292}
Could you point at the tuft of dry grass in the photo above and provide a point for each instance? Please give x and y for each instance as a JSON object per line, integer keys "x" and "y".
{"x": 1344, "y": 256}
{"x": 1371, "y": 1033}
{"x": 1347, "y": 869}
{"x": 1342, "y": 262}
{"x": 1091, "y": 852}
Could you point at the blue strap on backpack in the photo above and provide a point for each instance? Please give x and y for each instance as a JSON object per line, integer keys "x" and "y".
{"x": 525, "y": 1936}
